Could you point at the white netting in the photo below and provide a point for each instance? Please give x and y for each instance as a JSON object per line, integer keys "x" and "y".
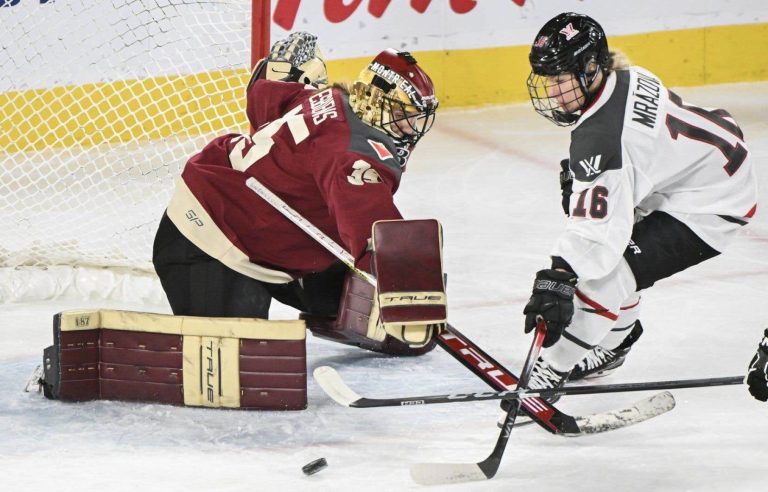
{"x": 101, "y": 103}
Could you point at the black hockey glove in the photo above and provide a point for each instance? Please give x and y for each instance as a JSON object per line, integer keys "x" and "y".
{"x": 552, "y": 299}
{"x": 757, "y": 377}
{"x": 566, "y": 185}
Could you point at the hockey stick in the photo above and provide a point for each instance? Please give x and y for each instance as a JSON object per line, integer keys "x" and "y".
{"x": 479, "y": 362}
{"x": 442, "y": 473}
{"x": 332, "y": 246}
{"x": 335, "y": 387}
{"x": 540, "y": 410}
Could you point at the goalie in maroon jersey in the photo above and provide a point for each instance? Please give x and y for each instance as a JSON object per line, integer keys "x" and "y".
{"x": 334, "y": 154}
{"x": 652, "y": 186}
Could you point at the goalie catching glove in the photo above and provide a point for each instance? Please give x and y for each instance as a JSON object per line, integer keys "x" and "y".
{"x": 296, "y": 58}
{"x": 757, "y": 377}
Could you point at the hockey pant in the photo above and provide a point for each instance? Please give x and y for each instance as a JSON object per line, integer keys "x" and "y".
{"x": 605, "y": 309}
{"x": 198, "y": 285}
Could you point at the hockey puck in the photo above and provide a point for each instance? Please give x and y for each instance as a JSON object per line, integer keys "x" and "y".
{"x": 314, "y": 466}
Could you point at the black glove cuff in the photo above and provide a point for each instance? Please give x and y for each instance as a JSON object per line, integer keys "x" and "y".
{"x": 565, "y": 171}
{"x": 558, "y": 262}
{"x": 557, "y": 282}
{"x": 764, "y": 342}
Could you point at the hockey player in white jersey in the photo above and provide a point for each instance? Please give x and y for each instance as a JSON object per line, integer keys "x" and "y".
{"x": 653, "y": 185}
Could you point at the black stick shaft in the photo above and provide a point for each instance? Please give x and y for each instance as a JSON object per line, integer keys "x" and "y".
{"x": 490, "y": 465}
{"x": 565, "y": 390}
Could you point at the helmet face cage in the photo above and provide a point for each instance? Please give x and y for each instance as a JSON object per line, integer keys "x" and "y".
{"x": 560, "y": 98}
{"x": 568, "y": 54}
{"x": 405, "y": 122}
{"x": 394, "y": 95}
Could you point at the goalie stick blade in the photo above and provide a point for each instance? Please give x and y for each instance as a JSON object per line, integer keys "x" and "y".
{"x": 641, "y": 411}
{"x": 330, "y": 381}
{"x": 445, "y": 473}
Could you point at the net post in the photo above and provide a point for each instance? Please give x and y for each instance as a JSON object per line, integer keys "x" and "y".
{"x": 260, "y": 30}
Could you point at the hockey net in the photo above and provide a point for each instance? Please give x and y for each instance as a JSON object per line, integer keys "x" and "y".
{"x": 101, "y": 104}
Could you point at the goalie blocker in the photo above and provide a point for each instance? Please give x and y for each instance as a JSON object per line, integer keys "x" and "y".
{"x": 244, "y": 363}
{"x": 401, "y": 315}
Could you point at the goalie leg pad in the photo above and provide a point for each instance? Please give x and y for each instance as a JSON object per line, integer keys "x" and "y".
{"x": 181, "y": 360}
{"x": 409, "y": 275}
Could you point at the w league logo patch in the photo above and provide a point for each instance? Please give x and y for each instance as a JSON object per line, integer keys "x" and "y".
{"x": 381, "y": 150}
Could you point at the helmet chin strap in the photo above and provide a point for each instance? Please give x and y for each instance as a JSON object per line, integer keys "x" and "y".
{"x": 562, "y": 117}
{"x": 585, "y": 85}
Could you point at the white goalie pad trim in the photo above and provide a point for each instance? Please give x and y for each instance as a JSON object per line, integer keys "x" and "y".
{"x": 250, "y": 328}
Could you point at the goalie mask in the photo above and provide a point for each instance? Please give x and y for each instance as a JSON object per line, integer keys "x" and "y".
{"x": 393, "y": 94}
{"x": 567, "y": 55}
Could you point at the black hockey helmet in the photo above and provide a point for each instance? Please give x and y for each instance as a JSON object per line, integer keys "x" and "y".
{"x": 567, "y": 44}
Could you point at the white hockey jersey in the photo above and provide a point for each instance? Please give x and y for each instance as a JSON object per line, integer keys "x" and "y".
{"x": 639, "y": 148}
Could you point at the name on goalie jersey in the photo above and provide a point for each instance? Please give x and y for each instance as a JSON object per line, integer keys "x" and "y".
{"x": 323, "y": 106}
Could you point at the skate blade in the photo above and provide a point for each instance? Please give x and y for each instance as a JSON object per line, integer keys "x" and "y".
{"x": 35, "y": 381}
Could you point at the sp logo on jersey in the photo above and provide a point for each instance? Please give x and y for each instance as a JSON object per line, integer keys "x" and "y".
{"x": 363, "y": 173}
{"x": 591, "y": 165}
{"x": 381, "y": 150}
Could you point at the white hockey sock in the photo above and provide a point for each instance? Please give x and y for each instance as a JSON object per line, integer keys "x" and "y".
{"x": 628, "y": 314}
{"x": 617, "y": 335}
{"x": 563, "y": 355}
{"x": 597, "y": 311}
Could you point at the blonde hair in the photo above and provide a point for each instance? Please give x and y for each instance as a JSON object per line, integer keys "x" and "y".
{"x": 617, "y": 61}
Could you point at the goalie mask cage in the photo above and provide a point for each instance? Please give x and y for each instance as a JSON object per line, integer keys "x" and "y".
{"x": 101, "y": 104}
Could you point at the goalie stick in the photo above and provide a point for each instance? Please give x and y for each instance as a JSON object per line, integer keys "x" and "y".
{"x": 335, "y": 387}
{"x": 540, "y": 410}
{"x": 472, "y": 356}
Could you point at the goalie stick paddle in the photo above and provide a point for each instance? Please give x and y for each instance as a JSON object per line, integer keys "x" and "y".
{"x": 443, "y": 473}
{"x": 538, "y": 409}
{"x": 335, "y": 387}
{"x": 451, "y": 340}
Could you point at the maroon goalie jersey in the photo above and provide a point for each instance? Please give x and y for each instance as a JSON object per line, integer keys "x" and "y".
{"x": 310, "y": 150}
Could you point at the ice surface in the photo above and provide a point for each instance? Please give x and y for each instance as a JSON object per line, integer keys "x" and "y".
{"x": 490, "y": 176}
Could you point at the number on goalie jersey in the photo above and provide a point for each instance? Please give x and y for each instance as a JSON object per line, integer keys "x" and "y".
{"x": 658, "y": 185}
{"x": 331, "y": 154}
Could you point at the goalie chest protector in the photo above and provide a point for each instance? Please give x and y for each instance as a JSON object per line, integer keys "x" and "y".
{"x": 180, "y": 360}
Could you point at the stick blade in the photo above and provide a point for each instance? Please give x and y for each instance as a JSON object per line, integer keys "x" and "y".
{"x": 640, "y": 411}
{"x": 446, "y": 473}
{"x": 335, "y": 387}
